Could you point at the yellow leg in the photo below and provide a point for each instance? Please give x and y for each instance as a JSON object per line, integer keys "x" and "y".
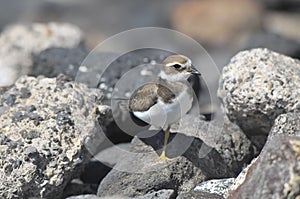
{"x": 163, "y": 156}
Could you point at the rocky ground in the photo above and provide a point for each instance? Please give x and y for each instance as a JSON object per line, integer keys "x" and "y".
{"x": 59, "y": 137}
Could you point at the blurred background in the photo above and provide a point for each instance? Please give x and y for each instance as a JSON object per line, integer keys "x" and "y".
{"x": 217, "y": 24}
{"x": 223, "y": 27}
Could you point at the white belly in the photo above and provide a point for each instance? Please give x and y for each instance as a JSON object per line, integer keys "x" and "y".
{"x": 162, "y": 115}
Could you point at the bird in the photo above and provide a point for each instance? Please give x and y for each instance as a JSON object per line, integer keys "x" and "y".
{"x": 166, "y": 101}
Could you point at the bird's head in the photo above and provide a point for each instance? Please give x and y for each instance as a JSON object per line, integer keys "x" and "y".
{"x": 177, "y": 68}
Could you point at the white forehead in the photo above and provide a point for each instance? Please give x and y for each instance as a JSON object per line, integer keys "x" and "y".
{"x": 187, "y": 63}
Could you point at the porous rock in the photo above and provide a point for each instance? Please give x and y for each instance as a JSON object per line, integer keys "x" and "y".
{"x": 286, "y": 124}
{"x": 46, "y": 126}
{"x": 197, "y": 195}
{"x": 218, "y": 186}
{"x": 257, "y": 86}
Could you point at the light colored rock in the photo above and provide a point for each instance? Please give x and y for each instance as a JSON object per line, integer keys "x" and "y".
{"x": 257, "y": 86}
{"x": 286, "y": 124}
{"x": 18, "y": 43}
{"x": 219, "y": 186}
{"x": 45, "y": 126}
{"x": 38, "y": 36}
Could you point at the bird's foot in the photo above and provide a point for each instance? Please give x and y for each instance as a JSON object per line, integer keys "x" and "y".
{"x": 163, "y": 158}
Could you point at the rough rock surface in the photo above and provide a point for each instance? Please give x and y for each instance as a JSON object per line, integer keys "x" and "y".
{"x": 219, "y": 187}
{"x": 275, "y": 174}
{"x": 138, "y": 174}
{"x": 87, "y": 196}
{"x": 161, "y": 194}
{"x": 286, "y": 124}
{"x": 241, "y": 177}
{"x": 198, "y": 195}
{"x": 257, "y": 86}
{"x": 54, "y": 61}
{"x": 45, "y": 125}
{"x": 18, "y": 43}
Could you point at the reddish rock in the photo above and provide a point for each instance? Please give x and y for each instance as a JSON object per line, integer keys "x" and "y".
{"x": 217, "y": 22}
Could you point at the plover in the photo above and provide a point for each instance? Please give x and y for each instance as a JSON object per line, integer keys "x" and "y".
{"x": 163, "y": 103}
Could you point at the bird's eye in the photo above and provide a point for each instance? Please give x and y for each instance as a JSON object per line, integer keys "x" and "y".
{"x": 177, "y": 66}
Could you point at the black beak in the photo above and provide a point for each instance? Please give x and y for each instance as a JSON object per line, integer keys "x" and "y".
{"x": 194, "y": 71}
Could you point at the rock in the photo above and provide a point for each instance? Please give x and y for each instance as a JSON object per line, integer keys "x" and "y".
{"x": 88, "y": 196}
{"x": 138, "y": 174}
{"x": 219, "y": 187}
{"x": 275, "y": 174}
{"x": 257, "y": 86}
{"x": 20, "y": 42}
{"x": 198, "y": 195}
{"x": 94, "y": 172}
{"x": 280, "y": 4}
{"x": 110, "y": 156}
{"x": 54, "y": 61}
{"x": 161, "y": 194}
{"x": 283, "y": 23}
{"x": 77, "y": 187}
{"x": 286, "y": 124}
{"x": 240, "y": 178}
{"x": 46, "y": 127}
{"x": 217, "y": 22}
{"x": 37, "y": 37}
{"x": 222, "y": 135}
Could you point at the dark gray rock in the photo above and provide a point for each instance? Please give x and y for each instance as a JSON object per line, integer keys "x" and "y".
{"x": 281, "y": 4}
{"x": 105, "y": 69}
{"x": 222, "y": 135}
{"x": 77, "y": 187}
{"x": 94, "y": 172}
{"x": 275, "y": 174}
{"x": 275, "y": 43}
{"x": 286, "y": 124}
{"x": 256, "y": 87}
{"x": 54, "y": 61}
{"x": 138, "y": 174}
{"x": 18, "y": 43}
{"x": 45, "y": 135}
{"x": 111, "y": 156}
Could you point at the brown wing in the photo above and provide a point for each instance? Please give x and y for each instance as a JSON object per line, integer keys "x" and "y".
{"x": 165, "y": 93}
{"x": 143, "y": 98}
{"x": 147, "y": 96}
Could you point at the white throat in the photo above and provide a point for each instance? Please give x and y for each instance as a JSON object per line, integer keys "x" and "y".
{"x": 174, "y": 78}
